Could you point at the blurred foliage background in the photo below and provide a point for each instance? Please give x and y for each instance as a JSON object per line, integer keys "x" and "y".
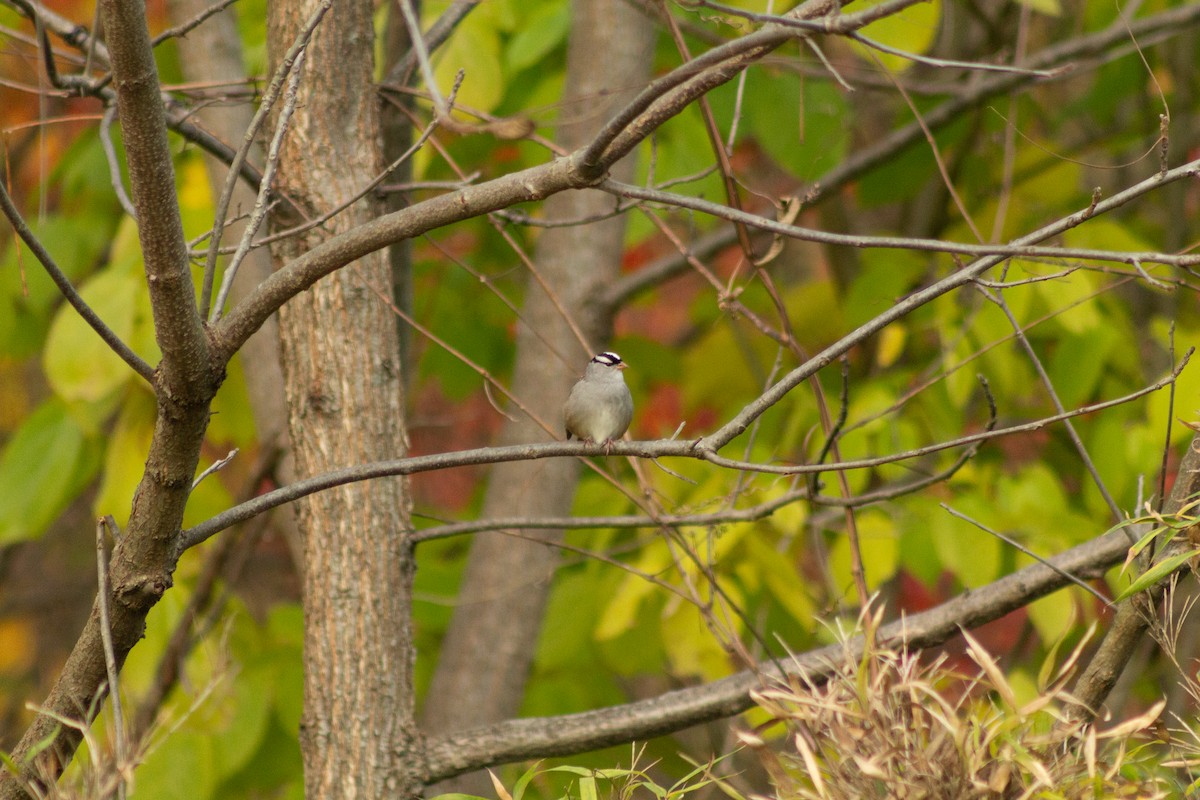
{"x": 74, "y": 424}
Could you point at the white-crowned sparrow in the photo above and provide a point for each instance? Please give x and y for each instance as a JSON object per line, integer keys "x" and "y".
{"x": 600, "y": 407}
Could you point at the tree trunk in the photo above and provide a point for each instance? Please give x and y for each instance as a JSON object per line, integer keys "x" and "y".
{"x": 344, "y": 396}
{"x": 487, "y": 652}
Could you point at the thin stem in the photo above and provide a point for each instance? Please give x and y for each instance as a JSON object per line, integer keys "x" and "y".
{"x": 104, "y": 525}
{"x": 114, "y": 165}
{"x": 261, "y": 202}
{"x": 1048, "y": 384}
{"x": 239, "y": 157}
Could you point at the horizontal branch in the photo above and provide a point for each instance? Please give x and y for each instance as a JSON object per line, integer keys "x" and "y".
{"x": 738, "y": 216}
{"x": 544, "y": 737}
{"x": 645, "y": 449}
{"x": 748, "y": 514}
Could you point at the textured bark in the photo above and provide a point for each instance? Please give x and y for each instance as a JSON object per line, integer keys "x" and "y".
{"x": 344, "y": 400}
{"x": 486, "y": 656}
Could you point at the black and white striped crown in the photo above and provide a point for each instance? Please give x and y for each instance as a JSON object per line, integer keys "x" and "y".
{"x": 607, "y": 358}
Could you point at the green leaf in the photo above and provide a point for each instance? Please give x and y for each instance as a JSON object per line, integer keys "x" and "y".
{"x": 587, "y": 788}
{"x": 475, "y": 49}
{"x": 518, "y": 789}
{"x": 78, "y": 364}
{"x": 1158, "y": 572}
{"x": 1079, "y": 362}
{"x": 27, "y": 295}
{"x": 541, "y": 32}
{"x": 182, "y": 767}
{"x": 781, "y": 577}
{"x": 249, "y": 713}
{"x": 971, "y": 555}
{"x": 47, "y": 462}
{"x": 887, "y": 276}
{"x": 799, "y": 123}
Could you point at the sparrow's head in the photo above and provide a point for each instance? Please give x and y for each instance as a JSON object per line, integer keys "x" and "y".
{"x": 608, "y": 359}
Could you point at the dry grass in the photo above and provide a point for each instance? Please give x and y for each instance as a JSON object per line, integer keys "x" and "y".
{"x": 889, "y": 725}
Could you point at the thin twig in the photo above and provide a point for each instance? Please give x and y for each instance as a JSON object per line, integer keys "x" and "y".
{"x": 103, "y": 525}
{"x": 114, "y": 164}
{"x": 185, "y": 27}
{"x": 239, "y": 157}
{"x": 1017, "y": 545}
{"x": 261, "y": 204}
{"x": 417, "y": 45}
{"x": 1015, "y": 250}
{"x": 216, "y": 465}
{"x": 978, "y": 66}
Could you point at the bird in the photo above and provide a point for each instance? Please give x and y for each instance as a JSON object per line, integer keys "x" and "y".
{"x": 600, "y": 407}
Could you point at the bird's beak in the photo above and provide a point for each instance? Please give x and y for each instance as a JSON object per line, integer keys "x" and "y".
{"x": 622, "y": 365}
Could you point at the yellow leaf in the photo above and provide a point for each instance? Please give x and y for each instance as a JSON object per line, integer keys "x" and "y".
{"x": 16, "y": 646}
{"x": 1051, "y": 7}
{"x": 622, "y": 611}
{"x": 693, "y": 650}
{"x": 891, "y": 344}
{"x": 474, "y": 49}
{"x": 1053, "y": 615}
{"x": 880, "y": 547}
{"x": 125, "y": 458}
{"x": 912, "y": 30}
{"x": 78, "y": 364}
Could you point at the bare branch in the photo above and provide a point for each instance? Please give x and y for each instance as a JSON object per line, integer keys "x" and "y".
{"x": 576, "y": 733}
{"x": 177, "y": 326}
{"x": 105, "y": 525}
{"x": 526, "y": 185}
{"x": 649, "y": 449}
{"x": 114, "y": 165}
{"x": 1019, "y": 249}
